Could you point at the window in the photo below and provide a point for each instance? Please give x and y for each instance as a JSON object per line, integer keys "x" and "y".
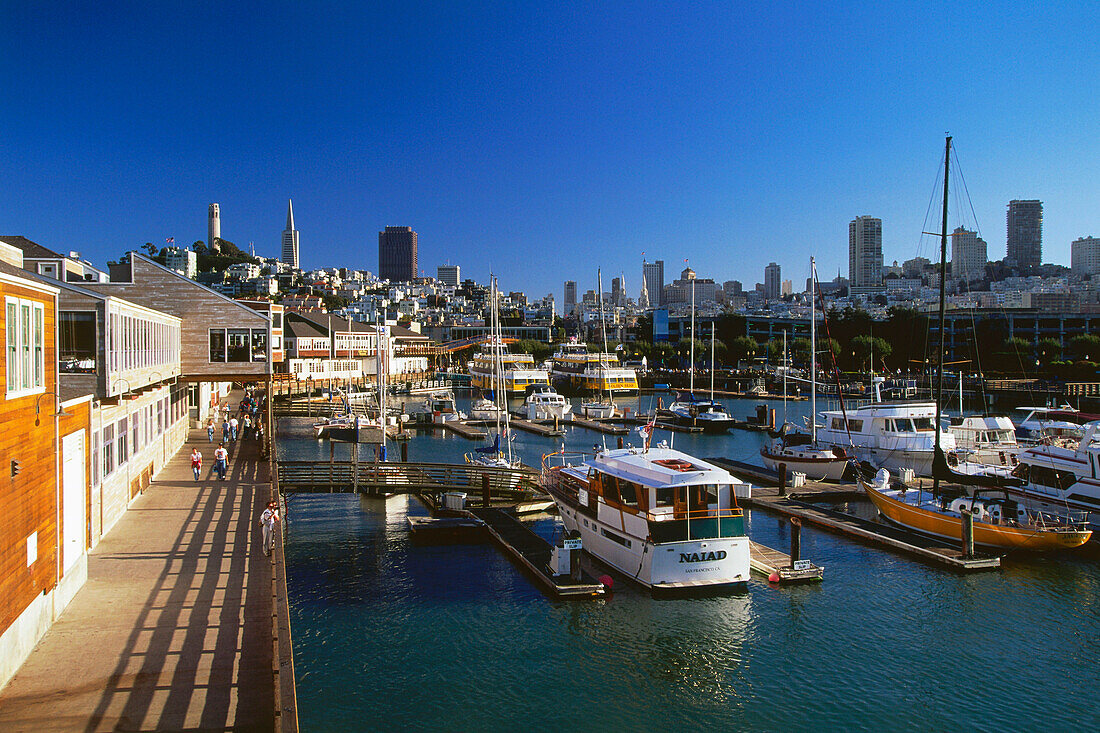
{"x": 95, "y": 458}
{"x": 237, "y": 340}
{"x": 25, "y": 332}
{"x": 123, "y": 442}
{"x": 664, "y": 496}
{"x": 76, "y": 334}
{"x": 217, "y": 345}
{"x": 135, "y": 432}
{"x": 108, "y": 450}
{"x": 259, "y": 345}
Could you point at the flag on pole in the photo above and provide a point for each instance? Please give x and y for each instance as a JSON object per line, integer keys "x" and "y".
{"x": 170, "y": 240}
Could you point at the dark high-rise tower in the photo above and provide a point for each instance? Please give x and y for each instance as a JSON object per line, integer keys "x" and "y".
{"x": 397, "y": 254}
{"x": 1025, "y": 233}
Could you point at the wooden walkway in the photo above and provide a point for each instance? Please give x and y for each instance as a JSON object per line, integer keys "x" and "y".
{"x": 547, "y": 431}
{"x": 341, "y": 477}
{"x": 600, "y": 426}
{"x": 533, "y": 554}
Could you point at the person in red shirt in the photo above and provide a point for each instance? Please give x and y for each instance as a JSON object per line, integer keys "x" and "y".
{"x": 196, "y": 462}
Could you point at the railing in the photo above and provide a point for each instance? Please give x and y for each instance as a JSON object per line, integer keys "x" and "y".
{"x": 409, "y": 478}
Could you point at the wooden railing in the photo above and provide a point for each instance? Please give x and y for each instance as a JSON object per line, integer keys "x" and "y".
{"x": 408, "y": 478}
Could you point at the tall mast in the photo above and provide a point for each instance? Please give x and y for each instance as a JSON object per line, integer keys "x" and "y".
{"x": 600, "y": 370}
{"x": 691, "y": 366}
{"x": 712, "y": 325}
{"x": 813, "y": 353}
{"x": 943, "y": 308}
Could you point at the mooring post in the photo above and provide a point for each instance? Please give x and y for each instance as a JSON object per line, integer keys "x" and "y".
{"x": 355, "y": 466}
{"x": 968, "y": 534}
{"x": 620, "y": 441}
{"x": 485, "y": 490}
{"x": 574, "y": 559}
{"x": 796, "y": 540}
{"x": 331, "y": 462}
{"x": 782, "y": 479}
{"x": 404, "y": 452}
{"x": 555, "y": 423}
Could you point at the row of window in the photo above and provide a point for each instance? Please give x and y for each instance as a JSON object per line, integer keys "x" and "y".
{"x": 113, "y": 444}
{"x": 135, "y": 342}
{"x": 236, "y": 345}
{"x": 305, "y": 367}
{"x": 25, "y": 345}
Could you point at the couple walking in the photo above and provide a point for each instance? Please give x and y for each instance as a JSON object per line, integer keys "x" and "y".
{"x": 221, "y": 461}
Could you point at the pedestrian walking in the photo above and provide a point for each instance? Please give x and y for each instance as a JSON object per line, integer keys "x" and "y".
{"x": 268, "y": 519}
{"x": 225, "y": 431}
{"x": 233, "y": 424}
{"x": 210, "y": 430}
{"x": 221, "y": 461}
{"x": 246, "y": 426}
{"x": 196, "y": 462}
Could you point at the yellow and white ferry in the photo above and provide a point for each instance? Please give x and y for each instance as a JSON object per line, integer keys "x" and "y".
{"x": 574, "y": 369}
{"x": 518, "y": 371}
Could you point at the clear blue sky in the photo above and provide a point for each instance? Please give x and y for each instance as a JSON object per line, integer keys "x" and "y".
{"x": 542, "y": 142}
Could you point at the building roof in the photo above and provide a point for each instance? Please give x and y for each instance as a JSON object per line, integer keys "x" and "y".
{"x": 31, "y": 249}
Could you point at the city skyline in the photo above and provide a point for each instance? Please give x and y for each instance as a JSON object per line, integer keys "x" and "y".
{"x": 593, "y": 138}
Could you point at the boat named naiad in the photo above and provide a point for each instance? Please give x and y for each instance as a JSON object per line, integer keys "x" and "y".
{"x": 663, "y": 518}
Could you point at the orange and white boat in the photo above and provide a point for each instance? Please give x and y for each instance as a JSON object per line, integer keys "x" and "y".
{"x": 999, "y": 522}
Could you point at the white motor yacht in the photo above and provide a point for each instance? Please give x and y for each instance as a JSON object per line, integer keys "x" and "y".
{"x": 544, "y": 403}
{"x": 663, "y": 518}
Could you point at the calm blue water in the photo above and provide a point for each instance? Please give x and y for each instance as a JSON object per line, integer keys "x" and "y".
{"x": 392, "y": 636}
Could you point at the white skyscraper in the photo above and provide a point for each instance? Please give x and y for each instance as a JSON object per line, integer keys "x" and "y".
{"x": 213, "y": 228}
{"x": 1085, "y": 256}
{"x": 864, "y": 255}
{"x": 290, "y": 238}
{"x": 772, "y": 281}
{"x": 968, "y": 255}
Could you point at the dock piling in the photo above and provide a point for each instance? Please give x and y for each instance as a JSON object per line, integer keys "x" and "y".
{"x": 782, "y": 479}
{"x": 968, "y": 534}
{"x": 796, "y": 540}
{"x": 404, "y": 452}
{"x": 485, "y": 490}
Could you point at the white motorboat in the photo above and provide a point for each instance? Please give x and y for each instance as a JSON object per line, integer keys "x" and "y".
{"x": 597, "y": 410}
{"x": 322, "y": 426}
{"x": 544, "y": 403}
{"x": 441, "y": 406}
{"x": 485, "y": 410}
{"x": 985, "y": 439}
{"x": 663, "y": 518}
{"x": 1062, "y": 480}
{"x": 1038, "y": 424}
{"x": 892, "y": 435}
{"x": 691, "y": 411}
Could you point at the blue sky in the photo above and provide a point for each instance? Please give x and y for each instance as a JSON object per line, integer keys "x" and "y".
{"x": 544, "y": 140}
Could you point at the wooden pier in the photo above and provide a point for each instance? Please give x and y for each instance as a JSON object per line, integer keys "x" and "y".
{"x": 460, "y": 428}
{"x": 533, "y": 554}
{"x": 778, "y": 565}
{"x": 600, "y": 426}
{"x": 546, "y": 431}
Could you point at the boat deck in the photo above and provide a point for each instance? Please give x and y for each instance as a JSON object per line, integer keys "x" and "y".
{"x": 547, "y": 431}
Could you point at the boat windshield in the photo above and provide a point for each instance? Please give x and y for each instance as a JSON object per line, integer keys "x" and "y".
{"x": 923, "y": 424}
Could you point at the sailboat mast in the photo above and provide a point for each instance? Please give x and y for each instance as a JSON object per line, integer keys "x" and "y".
{"x": 691, "y": 366}
{"x": 712, "y": 325}
{"x": 784, "y": 378}
{"x": 813, "y": 353}
{"x": 943, "y": 307}
{"x": 600, "y": 371}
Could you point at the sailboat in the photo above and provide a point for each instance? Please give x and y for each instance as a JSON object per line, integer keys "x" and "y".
{"x": 692, "y": 411}
{"x": 600, "y": 408}
{"x": 998, "y": 520}
{"x": 494, "y": 455}
{"x": 795, "y": 450}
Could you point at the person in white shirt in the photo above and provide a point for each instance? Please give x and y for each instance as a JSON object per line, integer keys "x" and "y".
{"x": 221, "y": 461}
{"x": 267, "y": 521}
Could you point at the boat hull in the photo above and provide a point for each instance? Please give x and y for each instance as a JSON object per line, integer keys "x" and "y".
{"x": 666, "y": 567}
{"x": 948, "y": 526}
{"x": 816, "y": 469}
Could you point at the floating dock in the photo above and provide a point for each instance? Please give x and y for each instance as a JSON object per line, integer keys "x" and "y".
{"x": 460, "y": 428}
{"x": 600, "y": 426}
{"x": 774, "y": 563}
{"x": 547, "y": 431}
{"x": 533, "y": 553}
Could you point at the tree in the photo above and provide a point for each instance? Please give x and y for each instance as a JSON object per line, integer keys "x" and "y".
{"x": 741, "y": 348}
{"x": 1050, "y": 350}
{"x": 150, "y": 249}
{"x": 1085, "y": 347}
{"x": 866, "y": 348}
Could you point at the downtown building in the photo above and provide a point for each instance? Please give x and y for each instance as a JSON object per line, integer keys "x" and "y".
{"x": 654, "y": 275}
{"x": 1025, "y": 234}
{"x": 772, "y": 281}
{"x": 865, "y": 255}
{"x": 1085, "y": 256}
{"x": 290, "y": 239}
{"x": 449, "y": 275}
{"x": 397, "y": 254}
{"x": 969, "y": 255}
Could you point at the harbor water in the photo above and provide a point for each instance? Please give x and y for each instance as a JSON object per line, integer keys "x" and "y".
{"x": 392, "y": 636}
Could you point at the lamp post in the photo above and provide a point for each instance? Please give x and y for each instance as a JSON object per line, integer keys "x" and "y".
{"x": 60, "y": 408}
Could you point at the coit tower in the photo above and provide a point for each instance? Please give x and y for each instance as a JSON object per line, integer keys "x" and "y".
{"x": 214, "y": 228}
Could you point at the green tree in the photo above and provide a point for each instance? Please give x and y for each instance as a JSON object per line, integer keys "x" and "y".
{"x": 741, "y": 348}
{"x": 866, "y": 348}
{"x": 1049, "y": 351}
{"x": 1085, "y": 346}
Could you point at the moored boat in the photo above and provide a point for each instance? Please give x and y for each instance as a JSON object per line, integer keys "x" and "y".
{"x": 544, "y": 403}
{"x": 663, "y": 518}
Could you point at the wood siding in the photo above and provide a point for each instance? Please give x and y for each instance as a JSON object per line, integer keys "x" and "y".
{"x": 30, "y": 500}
